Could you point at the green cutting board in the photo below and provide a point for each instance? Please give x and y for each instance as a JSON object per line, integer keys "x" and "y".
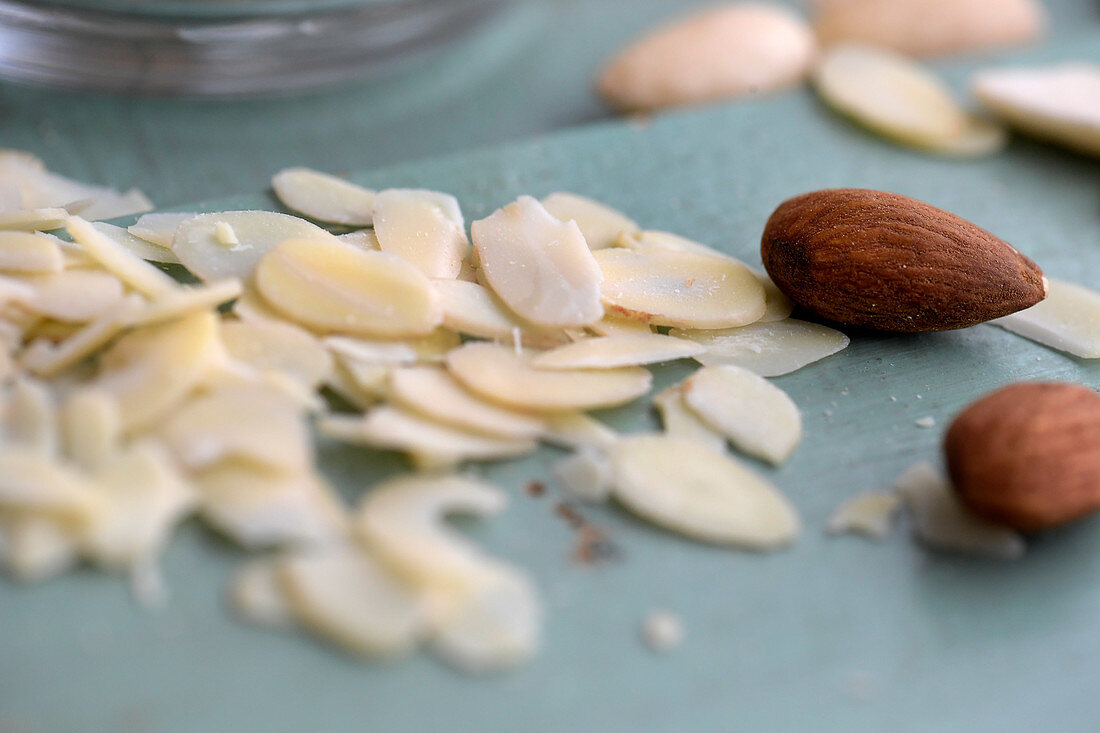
{"x": 835, "y": 634}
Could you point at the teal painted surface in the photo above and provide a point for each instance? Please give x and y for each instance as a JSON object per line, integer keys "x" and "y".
{"x": 837, "y": 634}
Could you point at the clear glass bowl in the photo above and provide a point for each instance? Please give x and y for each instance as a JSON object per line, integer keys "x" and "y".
{"x": 211, "y": 48}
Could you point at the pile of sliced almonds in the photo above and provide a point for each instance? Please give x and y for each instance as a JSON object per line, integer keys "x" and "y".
{"x": 129, "y": 401}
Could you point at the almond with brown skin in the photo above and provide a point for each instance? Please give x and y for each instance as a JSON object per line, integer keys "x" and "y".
{"x": 1028, "y": 455}
{"x": 886, "y": 262}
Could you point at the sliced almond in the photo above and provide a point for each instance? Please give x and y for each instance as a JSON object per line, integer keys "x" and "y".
{"x": 135, "y": 272}
{"x": 279, "y": 347}
{"x": 436, "y": 394}
{"x": 332, "y": 286}
{"x": 682, "y": 289}
{"x": 256, "y": 594}
{"x": 681, "y": 422}
{"x": 258, "y": 232}
{"x": 363, "y": 385}
{"x": 40, "y": 220}
{"x": 575, "y": 430}
{"x": 425, "y": 228}
{"x": 361, "y": 238}
{"x": 29, "y": 252}
{"x": 372, "y": 353}
{"x": 1067, "y": 320}
{"x": 1057, "y": 103}
{"x": 756, "y": 416}
{"x": 870, "y": 514}
{"x": 609, "y": 352}
{"x": 186, "y": 300}
{"x": 473, "y": 310}
{"x": 941, "y": 521}
{"x": 651, "y": 239}
{"x": 769, "y": 349}
{"x": 689, "y": 488}
{"x": 36, "y": 483}
{"x": 34, "y": 548}
{"x": 75, "y": 296}
{"x": 116, "y": 205}
{"x": 586, "y": 475}
{"x": 47, "y": 359}
{"x": 29, "y": 418}
{"x": 600, "y": 224}
{"x": 613, "y": 326}
{"x": 539, "y": 266}
{"x": 501, "y": 375}
{"x": 777, "y": 306}
{"x": 324, "y": 197}
{"x": 159, "y": 229}
{"x": 137, "y": 246}
{"x": 347, "y": 597}
{"x": 398, "y": 429}
{"x": 90, "y": 428}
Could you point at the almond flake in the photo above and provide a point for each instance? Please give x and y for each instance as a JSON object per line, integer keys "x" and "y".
{"x": 586, "y": 475}
{"x": 90, "y": 428}
{"x": 473, "y": 310}
{"x": 29, "y": 418}
{"x": 278, "y": 347}
{"x": 257, "y": 595}
{"x": 36, "y": 483}
{"x": 612, "y": 326}
{"x": 47, "y": 359}
{"x": 1068, "y": 320}
{"x": 769, "y": 349}
{"x": 159, "y": 229}
{"x": 42, "y": 220}
{"x": 575, "y": 430}
{"x": 324, "y": 197}
{"x": 35, "y": 548}
{"x": 186, "y": 300}
{"x": 870, "y": 514}
{"x": 600, "y": 224}
{"x": 361, "y": 238}
{"x": 135, "y": 272}
{"x": 74, "y": 296}
{"x": 29, "y": 252}
{"x": 425, "y": 228}
{"x": 608, "y": 352}
{"x": 681, "y": 422}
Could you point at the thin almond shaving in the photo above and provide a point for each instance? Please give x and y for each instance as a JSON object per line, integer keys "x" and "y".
{"x": 186, "y": 300}
{"x": 278, "y": 347}
{"x": 425, "y": 228}
{"x": 256, "y": 594}
{"x": 609, "y": 352}
{"x": 870, "y": 514}
{"x": 29, "y": 419}
{"x": 1067, "y": 320}
{"x": 769, "y": 349}
{"x": 35, "y": 548}
{"x": 612, "y": 326}
{"x": 29, "y": 252}
{"x": 74, "y": 296}
{"x": 373, "y": 353}
{"x": 575, "y": 430}
{"x": 90, "y": 429}
{"x": 34, "y": 482}
{"x": 586, "y": 475}
{"x": 600, "y": 224}
{"x": 115, "y": 258}
{"x": 41, "y": 220}
{"x": 159, "y": 229}
{"x": 47, "y": 359}
{"x": 681, "y": 422}
{"x": 473, "y": 310}
{"x": 324, "y": 197}
{"x": 137, "y": 246}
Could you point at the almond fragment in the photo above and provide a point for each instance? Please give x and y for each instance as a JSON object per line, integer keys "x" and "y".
{"x": 256, "y": 595}
{"x": 609, "y": 352}
{"x": 74, "y": 296}
{"x": 279, "y": 347}
{"x": 186, "y": 300}
{"x": 891, "y": 263}
{"x": 29, "y": 418}
{"x": 682, "y": 289}
{"x": 137, "y": 246}
{"x": 29, "y": 252}
{"x": 586, "y": 475}
{"x": 425, "y": 228}
{"x": 159, "y": 229}
{"x": 612, "y": 326}
{"x": 769, "y": 349}
{"x": 728, "y": 51}
{"x": 539, "y": 266}
{"x": 90, "y": 428}
{"x": 323, "y": 197}
{"x": 1067, "y": 320}
{"x": 31, "y": 482}
{"x": 34, "y": 220}
{"x": 600, "y": 224}
{"x": 35, "y": 548}
{"x": 870, "y": 514}
{"x": 473, "y": 310}
{"x": 135, "y": 272}
{"x": 47, "y": 359}
{"x": 679, "y": 421}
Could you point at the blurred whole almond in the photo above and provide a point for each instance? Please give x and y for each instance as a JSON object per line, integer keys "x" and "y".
{"x": 724, "y": 52}
{"x": 931, "y": 27}
{"x": 1028, "y": 455}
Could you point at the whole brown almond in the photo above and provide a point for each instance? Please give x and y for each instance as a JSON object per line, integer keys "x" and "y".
{"x": 886, "y": 262}
{"x": 1028, "y": 455}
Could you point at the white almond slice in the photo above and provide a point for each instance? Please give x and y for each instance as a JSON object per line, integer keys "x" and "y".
{"x": 29, "y": 252}
{"x": 425, "y": 228}
{"x": 135, "y": 272}
{"x": 159, "y": 229}
{"x": 472, "y": 309}
{"x": 36, "y": 483}
{"x": 943, "y": 523}
{"x": 361, "y": 238}
{"x": 186, "y": 300}
{"x": 980, "y": 137}
{"x": 496, "y": 627}
{"x": 363, "y": 385}
{"x": 1067, "y": 320}
{"x": 870, "y": 514}
{"x": 34, "y": 220}
{"x": 29, "y": 419}
{"x": 651, "y": 239}
{"x": 600, "y": 224}
{"x": 403, "y": 519}
{"x": 278, "y": 347}
{"x": 114, "y": 205}
{"x": 756, "y": 416}
{"x": 777, "y": 306}
{"x": 608, "y": 352}
{"x": 575, "y": 430}
{"x": 152, "y": 370}
{"x": 393, "y": 428}
{"x": 259, "y": 508}
{"x": 891, "y": 95}
{"x": 539, "y": 266}
{"x": 769, "y": 349}
{"x": 256, "y": 594}
{"x": 700, "y": 493}
{"x": 13, "y": 290}
{"x": 75, "y": 296}
{"x": 247, "y": 424}
{"x": 683, "y": 289}
{"x": 681, "y": 422}
{"x": 324, "y": 197}
{"x": 501, "y": 375}
{"x": 136, "y": 245}
{"x": 373, "y": 353}
{"x": 91, "y": 429}
{"x": 144, "y": 499}
{"x": 258, "y": 232}
{"x": 436, "y": 394}
{"x": 586, "y": 475}
{"x": 1060, "y": 103}
{"x": 344, "y": 595}
{"x": 612, "y": 326}
{"x": 47, "y": 359}
{"x": 332, "y": 286}
{"x": 34, "y": 549}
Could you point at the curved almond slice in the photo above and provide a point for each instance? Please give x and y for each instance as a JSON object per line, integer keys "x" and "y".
{"x": 137, "y": 246}
{"x": 34, "y": 220}
{"x": 372, "y": 353}
{"x": 575, "y": 430}
{"x": 436, "y": 394}
{"x": 257, "y": 596}
{"x": 29, "y": 419}
{"x": 425, "y": 228}
{"x": 33, "y": 482}
{"x": 943, "y": 523}
{"x": 361, "y": 238}
{"x": 135, "y": 272}
{"x": 278, "y": 347}
{"x": 362, "y": 385}
{"x": 34, "y": 548}
{"x": 347, "y": 597}
{"x": 682, "y": 289}
{"x": 777, "y": 306}
{"x": 113, "y": 205}
{"x": 45, "y": 358}
{"x": 680, "y": 422}
{"x": 688, "y": 488}
{"x": 758, "y": 418}
{"x": 324, "y": 197}
{"x": 980, "y": 137}
{"x": 612, "y": 326}
{"x": 332, "y": 286}
{"x": 495, "y": 627}
{"x": 586, "y": 475}
{"x": 608, "y": 352}
{"x": 159, "y": 229}
{"x": 403, "y": 519}
{"x": 397, "y": 429}
{"x": 90, "y": 428}
{"x": 652, "y": 239}
{"x": 600, "y": 224}
{"x": 75, "y": 296}
{"x": 870, "y": 514}
{"x": 186, "y": 300}
{"x": 196, "y": 241}
{"x": 1068, "y": 320}
{"x": 501, "y": 375}
{"x": 539, "y": 266}
{"x": 769, "y": 349}
{"x": 473, "y": 310}
{"x": 29, "y": 252}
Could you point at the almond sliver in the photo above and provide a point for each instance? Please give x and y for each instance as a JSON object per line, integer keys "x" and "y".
{"x": 870, "y": 514}
{"x": 135, "y": 272}
{"x": 257, "y": 596}
{"x": 608, "y": 352}
{"x": 41, "y": 220}
{"x": 186, "y": 300}
{"x": 29, "y": 252}
{"x": 600, "y": 224}
{"x": 324, "y": 197}
{"x": 681, "y": 422}
{"x": 769, "y": 349}
{"x": 159, "y": 229}
{"x": 425, "y": 228}
{"x": 1067, "y": 320}
{"x": 279, "y": 347}
{"x": 138, "y": 246}
{"x": 75, "y": 296}
{"x": 473, "y": 310}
